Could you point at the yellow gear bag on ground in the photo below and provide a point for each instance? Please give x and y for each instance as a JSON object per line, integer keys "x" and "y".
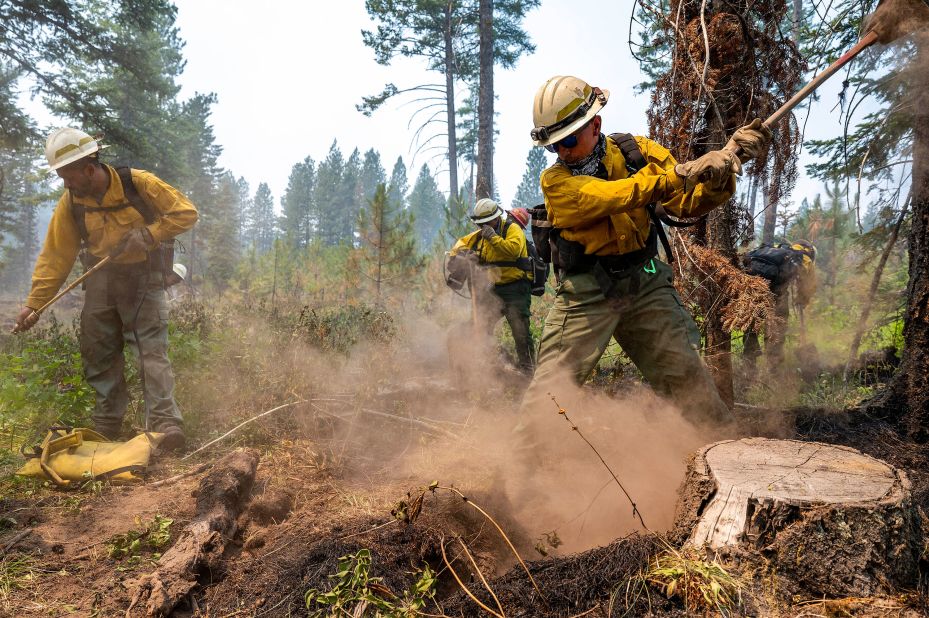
{"x": 75, "y": 454}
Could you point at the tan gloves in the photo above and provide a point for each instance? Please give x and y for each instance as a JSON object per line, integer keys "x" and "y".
{"x": 26, "y": 319}
{"x": 136, "y": 240}
{"x": 487, "y": 232}
{"x": 713, "y": 169}
{"x": 753, "y": 138}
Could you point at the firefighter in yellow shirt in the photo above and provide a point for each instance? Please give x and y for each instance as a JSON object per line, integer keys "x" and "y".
{"x": 133, "y": 216}
{"x": 499, "y": 249}
{"x": 605, "y": 232}
{"x": 783, "y": 266}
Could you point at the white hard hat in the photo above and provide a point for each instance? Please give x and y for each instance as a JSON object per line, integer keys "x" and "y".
{"x": 68, "y": 145}
{"x": 486, "y": 210}
{"x": 563, "y": 105}
{"x": 181, "y": 271}
{"x": 178, "y": 273}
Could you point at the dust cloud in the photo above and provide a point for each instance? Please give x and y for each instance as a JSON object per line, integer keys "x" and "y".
{"x": 529, "y": 463}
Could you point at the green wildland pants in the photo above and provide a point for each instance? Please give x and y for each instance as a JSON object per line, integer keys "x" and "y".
{"x": 512, "y": 301}
{"x": 119, "y": 303}
{"x": 648, "y": 320}
{"x": 774, "y": 335}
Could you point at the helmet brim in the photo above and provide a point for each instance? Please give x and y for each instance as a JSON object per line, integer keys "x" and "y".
{"x": 77, "y": 156}
{"x": 490, "y": 217}
{"x": 564, "y": 132}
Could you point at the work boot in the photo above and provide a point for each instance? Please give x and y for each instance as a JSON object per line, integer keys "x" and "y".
{"x": 110, "y": 433}
{"x": 174, "y": 439}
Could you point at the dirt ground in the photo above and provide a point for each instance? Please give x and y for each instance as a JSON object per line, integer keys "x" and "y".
{"x": 313, "y": 501}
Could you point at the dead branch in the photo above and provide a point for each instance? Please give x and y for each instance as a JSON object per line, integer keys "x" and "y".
{"x": 470, "y": 594}
{"x": 182, "y": 475}
{"x": 240, "y": 425}
{"x": 221, "y": 497}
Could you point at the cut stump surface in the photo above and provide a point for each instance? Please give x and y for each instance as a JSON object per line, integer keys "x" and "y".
{"x": 843, "y": 521}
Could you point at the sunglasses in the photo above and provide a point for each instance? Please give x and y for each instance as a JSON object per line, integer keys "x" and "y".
{"x": 568, "y": 142}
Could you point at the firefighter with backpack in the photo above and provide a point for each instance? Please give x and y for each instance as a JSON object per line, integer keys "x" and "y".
{"x": 131, "y": 216}
{"x": 786, "y": 267}
{"x": 494, "y": 260}
{"x": 602, "y": 229}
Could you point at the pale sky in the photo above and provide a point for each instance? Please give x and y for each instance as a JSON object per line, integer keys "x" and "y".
{"x": 289, "y": 74}
{"x": 288, "y": 77}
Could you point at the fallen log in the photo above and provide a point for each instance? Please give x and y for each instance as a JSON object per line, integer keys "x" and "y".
{"x": 221, "y": 496}
{"x": 836, "y": 521}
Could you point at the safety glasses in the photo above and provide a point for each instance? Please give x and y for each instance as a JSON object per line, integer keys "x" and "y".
{"x": 568, "y": 142}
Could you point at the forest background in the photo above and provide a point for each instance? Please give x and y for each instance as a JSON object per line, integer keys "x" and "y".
{"x": 364, "y": 128}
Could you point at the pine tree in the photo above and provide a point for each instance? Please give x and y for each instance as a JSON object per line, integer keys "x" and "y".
{"x": 223, "y": 250}
{"x": 298, "y": 205}
{"x": 264, "y": 219}
{"x": 455, "y": 214}
{"x": 427, "y": 204}
{"x": 372, "y": 174}
{"x": 445, "y": 35}
{"x": 529, "y": 191}
{"x": 246, "y": 236}
{"x": 351, "y": 198}
{"x": 329, "y": 196}
{"x": 387, "y": 254}
{"x": 398, "y": 186}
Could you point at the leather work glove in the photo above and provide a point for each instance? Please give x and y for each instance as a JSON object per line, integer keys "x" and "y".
{"x": 895, "y": 18}
{"x": 487, "y": 232}
{"x": 136, "y": 240}
{"x": 752, "y": 139}
{"x": 26, "y": 319}
{"x": 713, "y": 169}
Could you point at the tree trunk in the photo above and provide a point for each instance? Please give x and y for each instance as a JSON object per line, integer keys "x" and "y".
{"x": 838, "y": 522}
{"x": 485, "y": 106}
{"x": 770, "y": 219}
{"x": 450, "y": 105}
{"x": 907, "y": 395}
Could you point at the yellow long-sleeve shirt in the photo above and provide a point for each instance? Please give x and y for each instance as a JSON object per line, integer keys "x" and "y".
{"x": 175, "y": 214}
{"x": 498, "y": 249}
{"x": 608, "y": 216}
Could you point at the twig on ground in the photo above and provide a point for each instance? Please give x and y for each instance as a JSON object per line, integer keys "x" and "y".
{"x": 451, "y": 570}
{"x": 240, "y": 425}
{"x": 177, "y": 477}
{"x": 393, "y": 417}
{"x": 522, "y": 563}
{"x": 16, "y": 539}
{"x": 409, "y": 419}
{"x": 635, "y": 509}
{"x": 374, "y": 529}
{"x": 480, "y": 574}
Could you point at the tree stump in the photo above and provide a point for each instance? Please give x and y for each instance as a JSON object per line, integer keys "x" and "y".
{"x": 836, "y": 521}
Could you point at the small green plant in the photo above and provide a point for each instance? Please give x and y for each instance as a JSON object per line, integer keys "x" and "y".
{"x": 92, "y": 485}
{"x": 153, "y": 536}
{"x": 41, "y": 378}
{"x": 72, "y": 505}
{"x": 701, "y": 585}
{"x": 356, "y": 593}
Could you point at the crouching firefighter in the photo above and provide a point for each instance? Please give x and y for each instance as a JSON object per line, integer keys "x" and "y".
{"x": 495, "y": 259}
{"x": 133, "y": 217}
{"x": 783, "y": 266}
{"x": 602, "y": 199}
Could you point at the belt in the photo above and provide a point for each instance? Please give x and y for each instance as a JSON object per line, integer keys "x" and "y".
{"x": 619, "y": 266}
{"x": 132, "y": 268}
